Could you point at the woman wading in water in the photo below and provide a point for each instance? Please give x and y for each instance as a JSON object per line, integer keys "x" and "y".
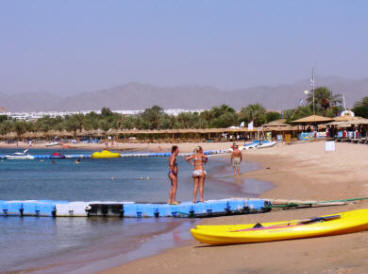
{"x": 173, "y": 175}
{"x": 199, "y": 174}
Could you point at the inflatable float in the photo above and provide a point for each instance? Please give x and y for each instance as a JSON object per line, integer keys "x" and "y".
{"x": 105, "y": 154}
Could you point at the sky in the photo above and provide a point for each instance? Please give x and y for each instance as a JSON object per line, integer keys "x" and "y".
{"x": 67, "y": 46}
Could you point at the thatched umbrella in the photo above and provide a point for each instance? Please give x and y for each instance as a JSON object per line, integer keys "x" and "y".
{"x": 346, "y": 118}
{"x": 313, "y": 119}
{"x": 348, "y": 123}
{"x": 278, "y": 125}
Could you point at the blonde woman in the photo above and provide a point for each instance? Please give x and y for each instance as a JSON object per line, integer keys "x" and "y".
{"x": 197, "y": 160}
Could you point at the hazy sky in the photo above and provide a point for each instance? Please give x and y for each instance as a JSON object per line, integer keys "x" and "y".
{"x": 71, "y": 46}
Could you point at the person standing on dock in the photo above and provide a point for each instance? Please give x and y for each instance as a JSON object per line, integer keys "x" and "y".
{"x": 173, "y": 175}
{"x": 198, "y": 159}
{"x": 235, "y": 159}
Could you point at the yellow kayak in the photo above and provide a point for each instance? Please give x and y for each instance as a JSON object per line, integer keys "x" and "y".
{"x": 334, "y": 224}
{"x": 105, "y": 154}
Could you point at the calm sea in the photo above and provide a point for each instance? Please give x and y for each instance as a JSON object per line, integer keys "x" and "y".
{"x": 87, "y": 244}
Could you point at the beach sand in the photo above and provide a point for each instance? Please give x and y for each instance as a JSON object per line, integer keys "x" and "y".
{"x": 298, "y": 171}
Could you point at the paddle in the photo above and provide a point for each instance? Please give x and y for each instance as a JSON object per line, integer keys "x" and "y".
{"x": 259, "y": 226}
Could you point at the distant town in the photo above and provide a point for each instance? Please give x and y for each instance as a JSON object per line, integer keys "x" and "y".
{"x": 32, "y": 116}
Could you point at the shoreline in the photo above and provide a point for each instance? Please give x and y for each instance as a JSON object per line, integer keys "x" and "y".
{"x": 299, "y": 171}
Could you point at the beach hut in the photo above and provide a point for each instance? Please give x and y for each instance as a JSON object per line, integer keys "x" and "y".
{"x": 314, "y": 123}
{"x": 280, "y": 127}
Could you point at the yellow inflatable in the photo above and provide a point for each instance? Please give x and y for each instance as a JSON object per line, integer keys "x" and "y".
{"x": 340, "y": 223}
{"x": 105, "y": 154}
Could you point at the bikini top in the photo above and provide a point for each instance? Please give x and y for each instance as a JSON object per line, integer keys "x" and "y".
{"x": 196, "y": 159}
{"x": 175, "y": 164}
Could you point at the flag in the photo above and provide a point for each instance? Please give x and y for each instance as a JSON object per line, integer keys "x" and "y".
{"x": 301, "y": 101}
{"x": 250, "y": 125}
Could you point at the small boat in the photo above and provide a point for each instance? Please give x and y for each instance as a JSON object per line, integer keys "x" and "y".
{"x": 20, "y": 156}
{"x": 105, "y": 154}
{"x": 328, "y": 225}
{"x": 251, "y": 145}
{"x": 51, "y": 144}
{"x": 57, "y": 155}
{"x": 266, "y": 144}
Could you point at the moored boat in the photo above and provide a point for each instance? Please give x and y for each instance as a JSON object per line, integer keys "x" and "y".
{"x": 266, "y": 144}
{"x": 52, "y": 144}
{"x": 20, "y": 156}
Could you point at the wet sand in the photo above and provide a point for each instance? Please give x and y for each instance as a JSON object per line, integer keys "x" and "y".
{"x": 299, "y": 171}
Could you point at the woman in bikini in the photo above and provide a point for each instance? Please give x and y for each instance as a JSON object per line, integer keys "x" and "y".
{"x": 173, "y": 175}
{"x": 198, "y": 159}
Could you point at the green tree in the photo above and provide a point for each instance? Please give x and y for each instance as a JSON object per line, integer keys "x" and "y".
{"x": 216, "y": 117}
{"x": 188, "y": 120}
{"x": 6, "y": 127}
{"x": 20, "y": 127}
{"x": 272, "y": 116}
{"x": 151, "y": 117}
{"x": 91, "y": 121}
{"x": 3, "y": 118}
{"x": 44, "y": 124}
{"x": 300, "y": 112}
{"x": 324, "y": 99}
{"x": 74, "y": 123}
{"x": 104, "y": 125}
{"x": 361, "y": 108}
{"x": 253, "y": 112}
{"x": 106, "y": 112}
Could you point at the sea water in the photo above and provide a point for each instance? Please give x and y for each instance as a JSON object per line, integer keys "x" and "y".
{"x": 76, "y": 243}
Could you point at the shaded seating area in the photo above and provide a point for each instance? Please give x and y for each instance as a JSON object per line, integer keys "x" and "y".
{"x": 311, "y": 126}
{"x": 349, "y": 129}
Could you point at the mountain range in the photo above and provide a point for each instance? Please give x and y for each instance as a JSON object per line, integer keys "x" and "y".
{"x": 133, "y": 96}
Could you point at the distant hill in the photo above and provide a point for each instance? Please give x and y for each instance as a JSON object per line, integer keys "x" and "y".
{"x": 140, "y": 96}
{"x": 2, "y": 109}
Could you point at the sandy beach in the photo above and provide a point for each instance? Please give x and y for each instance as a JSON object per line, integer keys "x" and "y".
{"x": 298, "y": 171}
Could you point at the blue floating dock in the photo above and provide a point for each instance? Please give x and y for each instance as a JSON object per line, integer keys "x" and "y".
{"x": 211, "y": 208}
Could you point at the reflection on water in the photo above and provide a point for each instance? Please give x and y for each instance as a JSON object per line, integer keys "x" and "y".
{"x": 32, "y": 241}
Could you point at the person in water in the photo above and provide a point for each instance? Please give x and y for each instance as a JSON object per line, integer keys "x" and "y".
{"x": 198, "y": 159}
{"x": 173, "y": 175}
{"x": 235, "y": 159}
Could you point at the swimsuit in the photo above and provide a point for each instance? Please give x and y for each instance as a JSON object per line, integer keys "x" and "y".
{"x": 171, "y": 171}
{"x": 199, "y": 172}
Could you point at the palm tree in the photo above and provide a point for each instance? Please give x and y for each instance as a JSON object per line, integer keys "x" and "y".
{"x": 253, "y": 112}
{"x": 20, "y": 128}
{"x": 361, "y": 107}
{"x": 324, "y": 99}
